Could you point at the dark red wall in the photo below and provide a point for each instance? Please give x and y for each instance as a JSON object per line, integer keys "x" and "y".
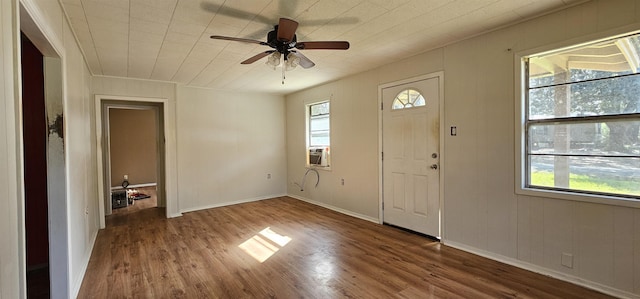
{"x": 35, "y": 154}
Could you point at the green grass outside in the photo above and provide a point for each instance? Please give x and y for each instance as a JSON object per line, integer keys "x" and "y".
{"x": 587, "y": 183}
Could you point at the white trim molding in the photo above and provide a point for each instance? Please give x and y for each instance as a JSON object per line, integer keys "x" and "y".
{"x": 336, "y": 209}
{"x": 231, "y": 203}
{"x": 170, "y": 185}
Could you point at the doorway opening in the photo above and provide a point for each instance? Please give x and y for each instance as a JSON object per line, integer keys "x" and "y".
{"x": 410, "y": 153}
{"x": 34, "y": 132}
{"x": 46, "y": 247}
{"x": 131, "y": 157}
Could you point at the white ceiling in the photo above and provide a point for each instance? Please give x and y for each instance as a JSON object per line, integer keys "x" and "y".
{"x": 169, "y": 40}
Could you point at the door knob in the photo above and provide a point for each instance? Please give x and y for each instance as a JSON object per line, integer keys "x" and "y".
{"x": 434, "y": 166}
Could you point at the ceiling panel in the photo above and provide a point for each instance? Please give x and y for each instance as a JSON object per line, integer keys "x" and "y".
{"x": 169, "y": 39}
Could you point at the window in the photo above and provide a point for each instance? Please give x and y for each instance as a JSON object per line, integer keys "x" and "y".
{"x": 582, "y": 119}
{"x": 318, "y": 134}
{"x": 408, "y": 98}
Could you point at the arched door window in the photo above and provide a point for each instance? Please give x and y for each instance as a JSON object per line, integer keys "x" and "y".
{"x": 408, "y": 98}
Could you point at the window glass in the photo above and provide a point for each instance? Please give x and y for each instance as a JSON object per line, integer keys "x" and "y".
{"x": 584, "y": 138}
{"x": 319, "y": 124}
{"x": 607, "y": 96}
{"x": 604, "y": 59}
{"x": 408, "y": 98}
{"x": 582, "y": 120}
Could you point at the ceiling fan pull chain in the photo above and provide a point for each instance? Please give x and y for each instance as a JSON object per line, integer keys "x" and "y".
{"x": 283, "y": 74}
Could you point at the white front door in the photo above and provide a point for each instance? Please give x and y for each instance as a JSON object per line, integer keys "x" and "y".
{"x": 410, "y": 166}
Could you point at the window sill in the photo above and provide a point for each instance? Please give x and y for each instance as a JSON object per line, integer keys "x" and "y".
{"x": 325, "y": 168}
{"x": 589, "y": 198}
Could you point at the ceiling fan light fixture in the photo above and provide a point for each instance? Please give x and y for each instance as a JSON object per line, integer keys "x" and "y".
{"x": 292, "y": 61}
{"x": 274, "y": 60}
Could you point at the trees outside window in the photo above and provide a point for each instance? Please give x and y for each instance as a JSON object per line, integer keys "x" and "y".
{"x": 582, "y": 120}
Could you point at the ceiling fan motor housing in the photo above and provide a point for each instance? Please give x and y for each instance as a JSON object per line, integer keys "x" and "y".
{"x": 280, "y": 46}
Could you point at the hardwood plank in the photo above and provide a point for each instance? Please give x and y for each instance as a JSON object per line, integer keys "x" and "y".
{"x": 328, "y": 255}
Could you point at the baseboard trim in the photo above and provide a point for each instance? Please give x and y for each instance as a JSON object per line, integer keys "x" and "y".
{"x": 77, "y": 284}
{"x": 230, "y": 203}
{"x": 541, "y": 270}
{"x": 334, "y": 208}
{"x": 135, "y": 186}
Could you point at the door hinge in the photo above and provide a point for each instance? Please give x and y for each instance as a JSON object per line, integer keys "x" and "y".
{"x": 381, "y": 105}
{"x": 382, "y": 153}
{"x": 383, "y": 205}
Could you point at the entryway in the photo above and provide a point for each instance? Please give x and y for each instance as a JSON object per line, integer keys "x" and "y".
{"x": 411, "y": 148}
{"x": 46, "y": 233}
{"x": 131, "y": 155}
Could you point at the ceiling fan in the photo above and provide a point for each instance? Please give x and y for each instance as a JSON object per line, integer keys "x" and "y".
{"x": 282, "y": 39}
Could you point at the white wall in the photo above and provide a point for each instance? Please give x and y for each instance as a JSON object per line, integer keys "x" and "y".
{"x": 354, "y": 137}
{"x": 354, "y": 146}
{"x": 482, "y": 212}
{"x": 81, "y": 160}
{"x": 227, "y": 144}
{"x": 12, "y": 257}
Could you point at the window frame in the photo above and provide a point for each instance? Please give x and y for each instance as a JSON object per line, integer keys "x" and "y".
{"x": 308, "y": 145}
{"x": 411, "y": 104}
{"x": 521, "y": 118}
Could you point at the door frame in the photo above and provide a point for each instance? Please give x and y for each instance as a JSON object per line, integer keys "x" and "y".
{"x": 166, "y": 180}
{"x": 381, "y": 87}
{"x": 31, "y": 23}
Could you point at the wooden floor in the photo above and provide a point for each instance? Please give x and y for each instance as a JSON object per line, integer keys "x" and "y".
{"x": 285, "y": 248}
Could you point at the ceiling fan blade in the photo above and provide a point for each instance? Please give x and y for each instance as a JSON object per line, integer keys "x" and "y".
{"x": 304, "y": 61}
{"x": 236, "y": 39}
{"x": 286, "y": 29}
{"x": 326, "y": 45}
{"x": 332, "y": 22}
{"x": 235, "y": 13}
{"x": 257, "y": 57}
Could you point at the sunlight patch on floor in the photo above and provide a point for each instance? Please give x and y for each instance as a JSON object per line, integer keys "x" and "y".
{"x": 264, "y": 244}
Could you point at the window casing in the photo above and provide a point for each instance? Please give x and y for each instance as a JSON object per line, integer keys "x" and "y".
{"x": 582, "y": 119}
{"x": 318, "y": 134}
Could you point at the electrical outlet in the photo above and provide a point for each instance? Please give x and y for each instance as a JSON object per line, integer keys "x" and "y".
{"x": 567, "y": 260}
{"x": 86, "y": 210}
{"x": 126, "y": 177}
{"x": 342, "y": 182}
{"x": 268, "y": 176}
